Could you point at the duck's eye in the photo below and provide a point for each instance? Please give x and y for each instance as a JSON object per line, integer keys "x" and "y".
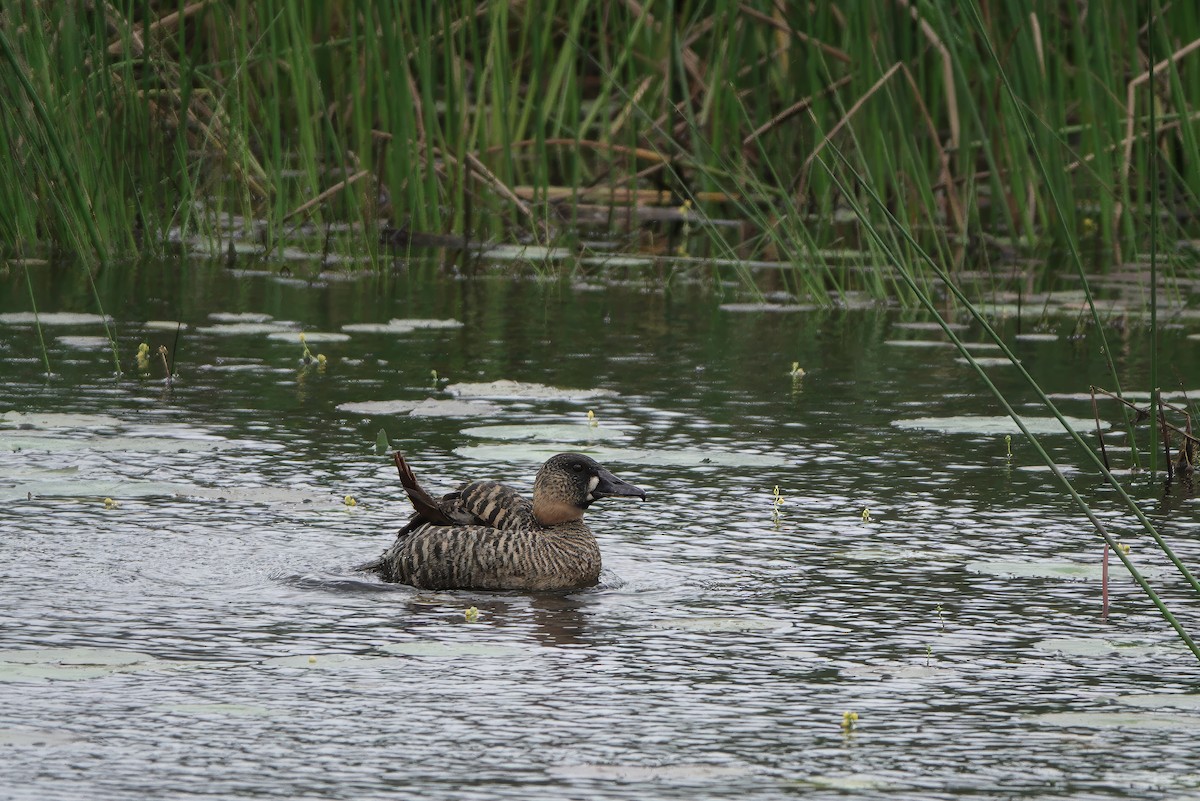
{"x": 577, "y": 467}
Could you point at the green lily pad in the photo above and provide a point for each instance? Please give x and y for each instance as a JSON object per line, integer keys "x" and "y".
{"x": 1096, "y": 646}
{"x": 52, "y": 318}
{"x": 525, "y": 253}
{"x": 42, "y": 421}
{"x": 85, "y": 342}
{"x": 988, "y": 361}
{"x": 396, "y": 326}
{"x": 239, "y": 317}
{"x": 35, "y": 739}
{"x": 649, "y": 773}
{"x": 230, "y": 710}
{"x": 716, "y": 623}
{"x": 515, "y": 390}
{"x": 532, "y": 452}
{"x": 248, "y": 329}
{"x": 264, "y": 495}
{"x": 546, "y": 432}
{"x": 1160, "y": 700}
{"x": 1117, "y": 720}
{"x": 71, "y": 664}
{"x": 429, "y": 407}
{"x": 929, "y": 326}
{"x": 454, "y": 650}
{"x": 81, "y": 487}
{"x": 850, "y": 782}
{"x": 617, "y": 261}
{"x": 979, "y": 424}
{"x": 767, "y": 307}
{"x": 323, "y": 661}
{"x": 1072, "y": 571}
{"x": 313, "y": 337}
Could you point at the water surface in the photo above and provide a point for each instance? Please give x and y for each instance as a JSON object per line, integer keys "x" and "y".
{"x": 214, "y": 640}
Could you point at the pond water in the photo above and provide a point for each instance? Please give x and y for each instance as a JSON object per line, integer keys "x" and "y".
{"x": 204, "y": 633}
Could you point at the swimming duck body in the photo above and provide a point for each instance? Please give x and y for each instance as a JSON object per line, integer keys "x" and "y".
{"x": 487, "y": 536}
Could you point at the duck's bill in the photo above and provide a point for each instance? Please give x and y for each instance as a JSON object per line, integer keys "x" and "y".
{"x": 609, "y": 486}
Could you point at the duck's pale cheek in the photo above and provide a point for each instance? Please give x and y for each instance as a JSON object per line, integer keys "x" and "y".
{"x": 592, "y": 483}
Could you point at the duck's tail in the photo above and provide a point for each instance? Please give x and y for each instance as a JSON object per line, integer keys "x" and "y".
{"x": 426, "y": 505}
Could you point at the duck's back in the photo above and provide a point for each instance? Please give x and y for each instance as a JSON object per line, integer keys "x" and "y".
{"x": 525, "y": 557}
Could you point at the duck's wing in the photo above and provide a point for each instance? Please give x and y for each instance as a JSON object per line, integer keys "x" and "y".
{"x": 490, "y": 503}
{"x": 480, "y": 503}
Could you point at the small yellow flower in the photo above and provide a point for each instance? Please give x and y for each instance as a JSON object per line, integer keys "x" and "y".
{"x": 592, "y": 419}
{"x": 109, "y": 503}
{"x": 866, "y": 515}
{"x": 1124, "y": 547}
{"x": 471, "y": 614}
{"x": 321, "y": 360}
{"x": 312, "y": 660}
{"x": 797, "y": 371}
{"x": 350, "y": 501}
{"x": 849, "y": 720}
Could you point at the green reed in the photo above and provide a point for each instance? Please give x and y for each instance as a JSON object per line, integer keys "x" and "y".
{"x": 280, "y": 119}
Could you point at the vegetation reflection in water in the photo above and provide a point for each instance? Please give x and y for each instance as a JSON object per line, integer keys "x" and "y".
{"x": 742, "y": 614}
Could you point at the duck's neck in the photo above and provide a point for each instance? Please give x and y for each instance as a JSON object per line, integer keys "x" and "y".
{"x": 554, "y": 513}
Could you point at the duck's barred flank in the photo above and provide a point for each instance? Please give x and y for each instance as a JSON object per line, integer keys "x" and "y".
{"x": 487, "y": 536}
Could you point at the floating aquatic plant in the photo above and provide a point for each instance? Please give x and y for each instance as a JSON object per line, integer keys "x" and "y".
{"x": 143, "y": 357}
{"x": 471, "y": 614}
{"x": 849, "y": 721}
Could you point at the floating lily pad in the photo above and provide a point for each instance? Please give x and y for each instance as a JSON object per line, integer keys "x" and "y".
{"x": 1117, "y": 720}
{"x": 1095, "y": 646}
{"x": 453, "y": 650}
{"x": 978, "y": 424}
{"x": 247, "y": 329}
{"x": 35, "y": 739}
{"x": 851, "y": 782}
{"x": 80, "y": 487}
{"x": 430, "y": 407}
{"x": 52, "y": 318}
{"x": 919, "y": 343}
{"x": 532, "y": 452}
{"x": 314, "y": 337}
{"x": 617, "y": 261}
{"x": 648, "y": 773}
{"x": 516, "y": 390}
{"x": 929, "y": 326}
{"x": 323, "y": 661}
{"x": 885, "y": 553}
{"x": 717, "y": 623}
{"x": 767, "y": 307}
{"x": 546, "y": 432}
{"x": 259, "y": 495}
{"x": 1160, "y": 700}
{"x": 71, "y": 664}
{"x": 239, "y": 317}
{"x": 1072, "y": 571}
{"x": 231, "y": 710}
{"x": 42, "y": 421}
{"x": 396, "y": 326}
{"x": 525, "y": 253}
{"x": 85, "y": 342}
{"x": 988, "y": 361}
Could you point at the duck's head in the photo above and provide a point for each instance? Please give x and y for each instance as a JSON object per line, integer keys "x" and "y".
{"x": 569, "y": 482}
